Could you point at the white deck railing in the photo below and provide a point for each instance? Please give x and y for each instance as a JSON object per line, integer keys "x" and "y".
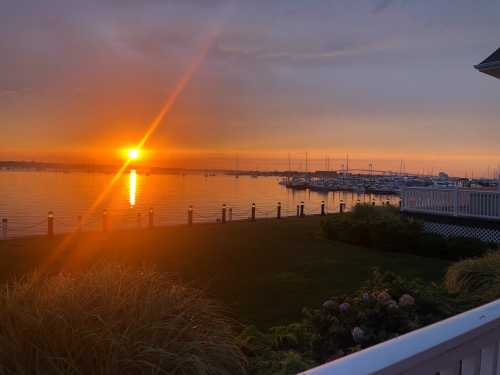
{"x": 466, "y": 344}
{"x": 481, "y": 204}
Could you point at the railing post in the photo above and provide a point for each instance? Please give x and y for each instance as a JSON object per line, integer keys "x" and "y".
{"x": 302, "y": 209}
{"x": 79, "y": 226}
{"x": 278, "y": 211}
{"x": 105, "y": 220}
{"x": 151, "y": 216}
{"x": 253, "y": 211}
{"x": 50, "y": 224}
{"x": 5, "y": 222}
{"x": 342, "y": 207}
{"x": 224, "y": 213}
{"x": 402, "y": 199}
{"x": 323, "y": 208}
{"x": 190, "y": 215}
{"x": 455, "y": 202}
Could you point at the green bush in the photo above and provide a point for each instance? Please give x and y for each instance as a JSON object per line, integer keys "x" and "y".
{"x": 386, "y": 307}
{"x": 370, "y": 226}
{"x": 477, "y": 278}
{"x": 384, "y": 228}
{"x": 463, "y": 247}
{"x": 113, "y": 320}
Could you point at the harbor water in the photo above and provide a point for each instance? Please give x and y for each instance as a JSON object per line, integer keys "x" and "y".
{"x": 26, "y": 197}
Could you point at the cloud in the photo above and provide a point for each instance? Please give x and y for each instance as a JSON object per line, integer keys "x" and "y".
{"x": 297, "y": 55}
{"x": 382, "y": 5}
{"x": 8, "y": 94}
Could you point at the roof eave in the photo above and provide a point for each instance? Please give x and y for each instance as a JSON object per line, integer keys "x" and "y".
{"x": 491, "y": 68}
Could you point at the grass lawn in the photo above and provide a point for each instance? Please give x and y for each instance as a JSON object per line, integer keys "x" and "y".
{"x": 264, "y": 271}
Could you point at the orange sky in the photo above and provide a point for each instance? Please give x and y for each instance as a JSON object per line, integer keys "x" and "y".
{"x": 381, "y": 81}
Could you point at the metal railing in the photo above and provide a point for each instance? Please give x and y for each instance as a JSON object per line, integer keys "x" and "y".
{"x": 481, "y": 204}
{"x": 108, "y": 220}
{"x": 466, "y": 344}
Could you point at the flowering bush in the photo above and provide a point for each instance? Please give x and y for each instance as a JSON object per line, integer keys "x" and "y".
{"x": 386, "y": 307}
{"x": 360, "y": 322}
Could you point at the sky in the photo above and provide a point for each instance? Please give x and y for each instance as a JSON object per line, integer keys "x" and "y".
{"x": 381, "y": 80}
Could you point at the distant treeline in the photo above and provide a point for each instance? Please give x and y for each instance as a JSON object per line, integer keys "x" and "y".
{"x": 100, "y": 168}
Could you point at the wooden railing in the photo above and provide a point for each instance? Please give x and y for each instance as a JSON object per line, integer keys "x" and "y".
{"x": 481, "y": 204}
{"x": 466, "y": 344}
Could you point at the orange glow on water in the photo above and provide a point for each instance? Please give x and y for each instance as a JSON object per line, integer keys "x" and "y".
{"x": 132, "y": 187}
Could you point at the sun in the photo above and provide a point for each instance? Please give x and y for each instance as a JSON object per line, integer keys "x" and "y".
{"x": 133, "y": 153}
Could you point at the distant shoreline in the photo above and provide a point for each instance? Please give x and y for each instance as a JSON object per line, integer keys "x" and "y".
{"x": 10, "y": 165}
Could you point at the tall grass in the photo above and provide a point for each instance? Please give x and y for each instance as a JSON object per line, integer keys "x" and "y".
{"x": 479, "y": 277}
{"x": 113, "y": 320}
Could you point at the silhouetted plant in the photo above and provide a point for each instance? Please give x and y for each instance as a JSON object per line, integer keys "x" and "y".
{"x": 387, "y": 306}
{"x": 477, "y": 278}
{"x": 384, "y": 228}
{"x": 113, "y": 320}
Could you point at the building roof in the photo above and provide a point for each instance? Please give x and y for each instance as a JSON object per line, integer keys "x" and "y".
{"x": 491, "y": 65}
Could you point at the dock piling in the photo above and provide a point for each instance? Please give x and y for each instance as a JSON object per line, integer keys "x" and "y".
{"x": 5, "y": 222}
{"x": 151, "y": 218}
{"x": 253, "y": 211}
{"x": 190, "y": 215}
{"x": 278, "y": 211}
{"x": 302, "y": 209}
{"x": 223, "y": 214}
{"x": 105, "y": 220}
{"x": 50, "y": 224}
{"x": 79, "y": 226}
{"x": 323, "y": 208}
{"x": 342, "y": 207}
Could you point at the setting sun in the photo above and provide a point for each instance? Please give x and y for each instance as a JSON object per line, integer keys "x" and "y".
{"x": 133, "y": 153}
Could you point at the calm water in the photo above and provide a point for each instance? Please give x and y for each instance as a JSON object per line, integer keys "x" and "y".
{"x": 26, "y": 198}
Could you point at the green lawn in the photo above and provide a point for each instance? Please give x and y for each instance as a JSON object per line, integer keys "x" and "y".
{"x": 264, "y": 271}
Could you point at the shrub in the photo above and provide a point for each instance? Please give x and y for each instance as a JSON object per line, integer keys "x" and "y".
{"x": 387, "y": 306}
{"x": 478, "y": 278}
{"x": 384, "y": 228}
{"x": 463, "y": 247}
{"x": 113, "y": 320}
{"x": 380, "y": 227}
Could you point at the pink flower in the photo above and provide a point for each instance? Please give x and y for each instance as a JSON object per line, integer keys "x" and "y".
{"x": 344, "y": 307}
{"x": 391, "y": 304}
{"x": 384, "y": 297}
{"x": 358, "y": 334}
{"x": 365, "y": 297}
{"x": 406, "y": 300}
{"x": 329, "y": 305}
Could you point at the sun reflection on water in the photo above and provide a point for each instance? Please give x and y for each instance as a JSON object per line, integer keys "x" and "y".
{"x": 132, "y": 187}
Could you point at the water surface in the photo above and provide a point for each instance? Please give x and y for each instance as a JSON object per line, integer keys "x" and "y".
{"x": 26, "y": 197}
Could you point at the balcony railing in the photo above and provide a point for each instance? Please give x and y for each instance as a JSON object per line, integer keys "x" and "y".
{"x": 480, "y": 204}
{"x": 466, "y": 344}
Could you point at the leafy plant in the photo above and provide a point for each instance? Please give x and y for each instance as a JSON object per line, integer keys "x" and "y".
{"x": 384, "y": 228}
{"x": 387, "y": 306}
{"x": 478, "y": 278}
{"x": 113, "y": 320}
